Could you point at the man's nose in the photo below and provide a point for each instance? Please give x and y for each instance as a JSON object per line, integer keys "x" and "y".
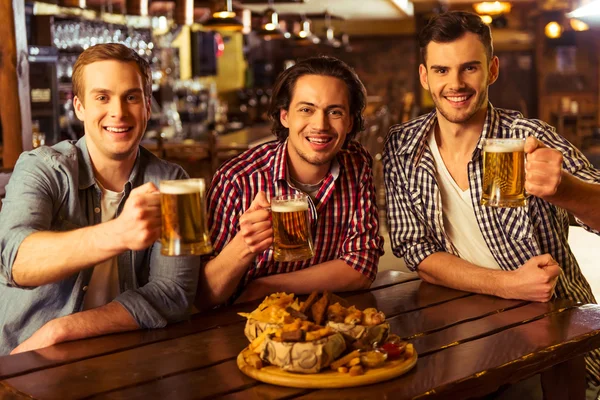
{"x": 118, "y": 108}
{"x": 320, "y": 120}
{"x": 456, "y": 81}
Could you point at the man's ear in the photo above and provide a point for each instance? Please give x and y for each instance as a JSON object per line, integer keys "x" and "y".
{"x": 79, "y": 108}
{"x": 283, "y": 117}
{"x": 494, "y": 70}
{"x": 423, "y": 77}
{"x": 149, "y": 109}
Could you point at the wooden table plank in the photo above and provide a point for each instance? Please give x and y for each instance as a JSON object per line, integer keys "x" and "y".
{"x": 495, "y": 322}
{"x": 520, "y": 352}
{"x": 136, "y": 365}
{"x": 195, "y": 380}
{"x": 8, "y": 393}
{"x": 64, "y": 353}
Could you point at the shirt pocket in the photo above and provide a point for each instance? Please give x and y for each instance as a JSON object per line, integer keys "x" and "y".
{"x": 515, "y": 222}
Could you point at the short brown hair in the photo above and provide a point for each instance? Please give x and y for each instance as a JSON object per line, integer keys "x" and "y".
{"x": 283, "y": 91}
{"x": 110, "y": 51}
{"x": 452, "y": 25}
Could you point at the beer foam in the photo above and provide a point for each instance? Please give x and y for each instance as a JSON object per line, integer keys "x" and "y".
{"x": 507, "y": 146}
{"x": 289, "y": 206}
{"x": 181, "y": 187}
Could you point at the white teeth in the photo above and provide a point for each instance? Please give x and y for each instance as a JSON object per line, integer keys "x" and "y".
{"x": 457, "y": 99}
{"x": 116, "y": 130}
{"x": 319, "y": 140}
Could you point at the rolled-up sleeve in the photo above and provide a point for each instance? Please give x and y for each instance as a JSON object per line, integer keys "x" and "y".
{"x": 26, "y": 209}
{"x": 364, "y": 246}
{"x": 574, "y": 162}
{"x": 169, "y": 293}
{"x": 410, "y": 237}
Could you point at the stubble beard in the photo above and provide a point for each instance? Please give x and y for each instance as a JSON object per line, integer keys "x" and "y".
{"x": 480, "y": 101}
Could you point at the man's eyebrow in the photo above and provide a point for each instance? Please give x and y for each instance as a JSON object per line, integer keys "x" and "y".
{"x": 307, "y": 103}
{"x": 107, "y": 91}
{"x": 304, "y": 103}
{"x": 467, "y": 64}
{"x": 100, "y": 90}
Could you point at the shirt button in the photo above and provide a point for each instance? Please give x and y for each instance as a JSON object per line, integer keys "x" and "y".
{"x": 85, "y": 288}
{"x": 97, "y": 210}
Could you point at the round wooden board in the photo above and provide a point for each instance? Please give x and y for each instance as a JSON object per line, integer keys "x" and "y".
{"x": 326, "y": 379}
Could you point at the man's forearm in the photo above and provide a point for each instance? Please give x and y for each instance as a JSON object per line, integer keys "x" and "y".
{"x": 334, "y": 276}
{"x": 445, "y": 269}
{"x": 580, "y": 198}
{"x": 220, "y": 276}
{"x": 110, "y": 318}
{"x": 46, "y": 257}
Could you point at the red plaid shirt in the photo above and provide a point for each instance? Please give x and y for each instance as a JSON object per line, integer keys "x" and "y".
{"x": 343, "y": 216}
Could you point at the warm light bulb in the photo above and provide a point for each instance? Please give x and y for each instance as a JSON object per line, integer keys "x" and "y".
{"x": 224, "y": 14}
{"x": 578, "y": 25}
{"x": 486, "y": 19}
{"x": 553, "y": 30}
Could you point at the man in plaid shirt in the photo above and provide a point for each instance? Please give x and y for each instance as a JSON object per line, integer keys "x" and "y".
{"x": 316, "y": 109}
{"x": 433, "y": 176}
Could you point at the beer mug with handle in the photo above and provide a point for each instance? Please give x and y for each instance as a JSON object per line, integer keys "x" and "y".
{"x": 184, "y": 231}
{"x": 504, "y": 173}
{"x": 292, "y": 239}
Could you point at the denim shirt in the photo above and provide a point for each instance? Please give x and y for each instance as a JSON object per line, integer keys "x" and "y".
{"x": 54, "y": 189}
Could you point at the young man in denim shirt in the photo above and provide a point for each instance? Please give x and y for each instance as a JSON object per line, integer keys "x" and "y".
{"x": 80, "y": 221}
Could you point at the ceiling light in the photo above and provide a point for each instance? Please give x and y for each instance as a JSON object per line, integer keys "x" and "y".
{"x": 271, "y": 29}
{"x": 492, "y": 8}
{"x": 487, "y": 19}
{"x": 305, "y": 36}
{"x": 553, "y": 30}
{"x": 224, "y": 20}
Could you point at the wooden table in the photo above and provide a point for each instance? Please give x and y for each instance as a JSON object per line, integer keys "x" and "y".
{"x": 468, "y": 345}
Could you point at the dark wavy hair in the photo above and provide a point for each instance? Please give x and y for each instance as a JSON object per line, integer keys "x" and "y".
{"x": 452, "y": 25}
{"x": 283, "y": 91}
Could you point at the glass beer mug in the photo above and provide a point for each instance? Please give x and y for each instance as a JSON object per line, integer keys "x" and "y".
{"x": 184, "y": 230}
{"x": 292, "y": 239}
{"x": 503, "y": 173}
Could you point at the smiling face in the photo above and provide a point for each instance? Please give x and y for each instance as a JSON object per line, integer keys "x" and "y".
{"x": 457, "y": 76}
{"x": 114, "y": 110}
{"x": 318, "y": 120}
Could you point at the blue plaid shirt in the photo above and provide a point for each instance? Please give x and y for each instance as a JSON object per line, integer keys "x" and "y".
{"x": 513, "y": 235}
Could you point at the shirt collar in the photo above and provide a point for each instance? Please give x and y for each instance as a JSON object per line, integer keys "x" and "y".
{"x": 86, "y": 170}
{"x": 417, "y": 139}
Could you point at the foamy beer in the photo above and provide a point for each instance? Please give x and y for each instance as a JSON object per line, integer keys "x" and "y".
{"x": 503, "y": 173}
{"x": 184, "y": 230}
{"x": 292, "y": 240}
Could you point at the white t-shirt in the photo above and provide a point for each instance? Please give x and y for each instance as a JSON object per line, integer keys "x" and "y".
{"x": 460, "y": 222}
{"x": 104, "y": 284}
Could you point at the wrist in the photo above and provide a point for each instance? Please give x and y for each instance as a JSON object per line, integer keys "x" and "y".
{"x": 502, "y": 284}
{"x": 241, "y": 250}
{"x": 111, "y": 237}
{"x": 58, "y": 332}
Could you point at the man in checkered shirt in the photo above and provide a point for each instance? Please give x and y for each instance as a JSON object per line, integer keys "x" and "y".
{"x": 433, "y": 177}
{"x": 316, "y": 109}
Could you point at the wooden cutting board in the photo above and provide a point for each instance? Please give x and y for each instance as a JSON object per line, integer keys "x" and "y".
{"x": 326, "y": 379}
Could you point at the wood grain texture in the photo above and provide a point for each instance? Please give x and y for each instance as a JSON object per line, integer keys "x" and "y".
{"x": 65, "y": 353}
{"x": 468, "y": 345}
{"x": 478, "y": 367}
